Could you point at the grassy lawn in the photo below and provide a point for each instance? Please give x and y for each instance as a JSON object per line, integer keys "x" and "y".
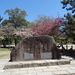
{"x": 5, "y": 53}
{"x": 4, "y": 49}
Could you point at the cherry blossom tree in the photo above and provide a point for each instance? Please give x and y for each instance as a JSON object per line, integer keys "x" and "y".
{"x": 47, "y": 26}
{"x": 44, "y": 26}
{"x": 24, "y": 32}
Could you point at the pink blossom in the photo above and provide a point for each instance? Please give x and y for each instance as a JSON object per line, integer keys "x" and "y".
{"x": 47, "y": 26}
{"x": 24, "y": 33}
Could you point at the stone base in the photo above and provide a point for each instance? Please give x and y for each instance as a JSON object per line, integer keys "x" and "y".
{"x": 37, "y": 63}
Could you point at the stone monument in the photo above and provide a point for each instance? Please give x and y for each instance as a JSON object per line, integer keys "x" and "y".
{"x": 35, "y": 48}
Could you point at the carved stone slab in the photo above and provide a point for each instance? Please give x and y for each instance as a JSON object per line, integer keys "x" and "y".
{"x": 35, "y": 48}
{"x": 46, "y": 55}
{"x": 28, "y": 56}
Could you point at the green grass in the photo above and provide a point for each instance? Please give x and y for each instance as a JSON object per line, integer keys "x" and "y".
{"x": 3, "y": 55}
{"x": 5, "y": 49}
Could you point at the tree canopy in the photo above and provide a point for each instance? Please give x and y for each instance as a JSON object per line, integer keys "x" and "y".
{"x": 1, "y": 18}
{"x": 71, "y": 4}
{"x": 69, "y": 24}
{"x": 47, "y": 26}
{"x": 17, "y": 17}
{"x": 16, "y": 20}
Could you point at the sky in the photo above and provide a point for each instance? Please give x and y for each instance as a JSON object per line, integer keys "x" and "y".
{"x": 33, "y": 8}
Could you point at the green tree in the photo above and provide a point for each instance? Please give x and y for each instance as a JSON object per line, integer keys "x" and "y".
{"x": 17, "y": 17}
{"x": 7, "y": 35}
{"x": 32, "y": 24}
{"x": 5, "y": 22}
{"x": 1, "y": 18}
{"x": 16, "y": 20}
{"x": 69, "y": 24}
{"x": 71, "y": 4}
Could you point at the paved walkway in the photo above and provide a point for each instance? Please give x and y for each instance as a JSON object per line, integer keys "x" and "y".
{"x": 45, "y": 70}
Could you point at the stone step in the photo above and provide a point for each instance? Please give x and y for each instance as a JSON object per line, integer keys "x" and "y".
{"x": 35, "y": 63}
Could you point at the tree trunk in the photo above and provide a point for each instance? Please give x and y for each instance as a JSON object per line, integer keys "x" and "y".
{"x": 4, "y": 45}
{"x": 15, "y": 41}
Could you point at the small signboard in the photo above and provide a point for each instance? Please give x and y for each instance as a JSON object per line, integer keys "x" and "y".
{"x": 28, "y": 56}
{"x": 46, "y": 55}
